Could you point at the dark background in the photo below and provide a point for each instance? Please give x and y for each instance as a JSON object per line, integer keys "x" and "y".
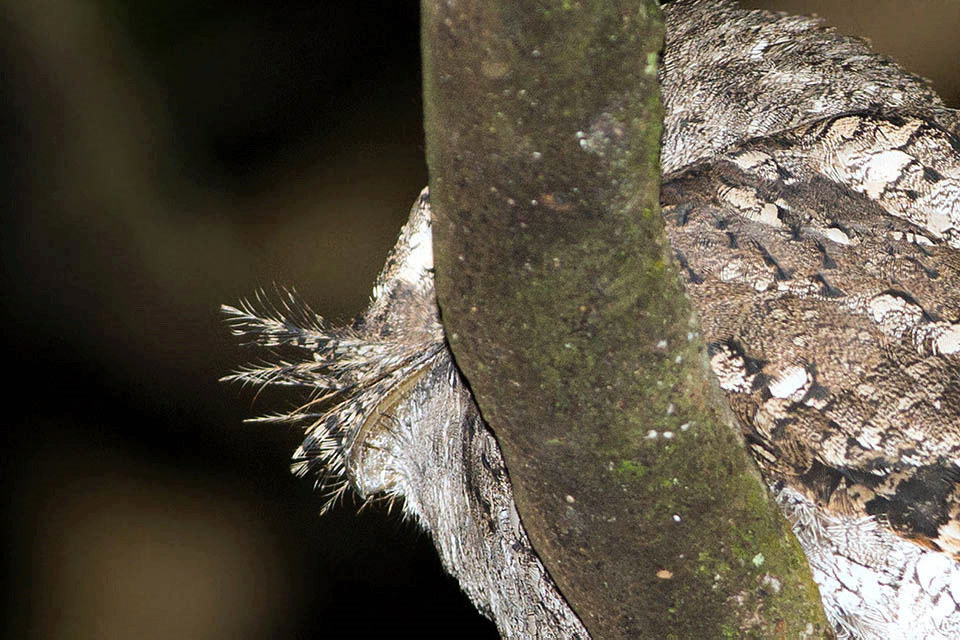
{"x": 159, "y": 159}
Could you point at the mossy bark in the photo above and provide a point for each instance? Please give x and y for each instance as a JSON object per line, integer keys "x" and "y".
{"x": 566, "y": 315}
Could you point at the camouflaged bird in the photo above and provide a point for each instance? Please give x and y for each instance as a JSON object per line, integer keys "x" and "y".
{"x": 811, "y": 192}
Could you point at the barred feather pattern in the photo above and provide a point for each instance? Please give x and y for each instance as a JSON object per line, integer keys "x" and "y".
{"x": 388, "y": 415}
{"x": 873, "y": 583}
{"x": 348, "y": 371}
{"x": 812, "y": 198}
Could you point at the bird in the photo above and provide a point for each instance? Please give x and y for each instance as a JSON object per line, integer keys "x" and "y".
{"x": 811, "y": 197}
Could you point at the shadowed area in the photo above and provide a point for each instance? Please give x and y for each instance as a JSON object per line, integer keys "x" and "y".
{"x": 161, "y": 159}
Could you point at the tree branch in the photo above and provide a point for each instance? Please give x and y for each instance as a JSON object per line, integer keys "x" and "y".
{"x": 565, "y": 313}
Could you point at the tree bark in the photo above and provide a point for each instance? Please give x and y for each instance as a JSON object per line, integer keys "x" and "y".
{"x": 565, "y": 313}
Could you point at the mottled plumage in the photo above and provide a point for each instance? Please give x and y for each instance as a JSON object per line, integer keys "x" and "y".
{"x": 812, "y": 198}
{"x": 396, "y": 421}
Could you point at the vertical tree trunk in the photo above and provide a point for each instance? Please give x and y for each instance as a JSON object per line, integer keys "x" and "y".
{"x": 566, "y": 315}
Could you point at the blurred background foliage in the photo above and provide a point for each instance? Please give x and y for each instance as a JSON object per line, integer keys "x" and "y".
{"x": 162, "y": 158}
